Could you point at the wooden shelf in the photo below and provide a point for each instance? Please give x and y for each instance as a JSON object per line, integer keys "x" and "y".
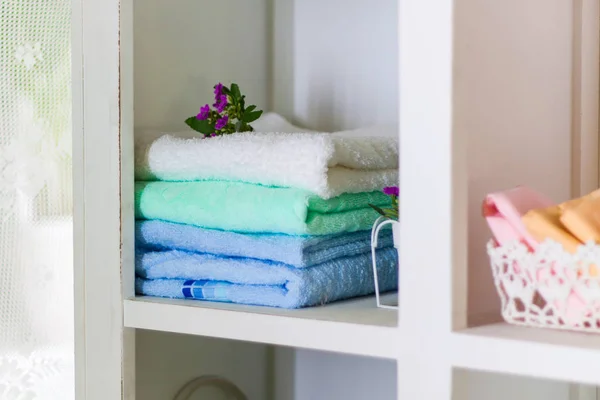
{"x": 350, "y": 327}
{"x": 542, "y": 353}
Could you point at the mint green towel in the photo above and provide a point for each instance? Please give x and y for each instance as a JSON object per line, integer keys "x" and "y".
{"x": 244, "y": 207}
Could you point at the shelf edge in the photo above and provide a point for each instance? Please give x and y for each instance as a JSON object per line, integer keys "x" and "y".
{"x": 339, "y": 337}
{"x": 537, "y": 353}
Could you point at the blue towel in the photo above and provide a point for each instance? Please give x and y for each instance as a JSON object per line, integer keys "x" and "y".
{"x": 178, "y": 274}
{"x": 297, "y": 251}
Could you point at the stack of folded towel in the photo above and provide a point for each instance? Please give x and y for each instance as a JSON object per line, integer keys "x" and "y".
{"x": 274, "y": 219}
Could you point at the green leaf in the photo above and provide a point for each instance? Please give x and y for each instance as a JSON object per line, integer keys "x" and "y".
{"x": 226, "y": 90}
{"x": 246, "y": 128}
{"x": 235, "y": 91}
{"x": 250, "y": 109}
{"x": 379, "y": 210}
{"x": 252, "y": 116}
{"x": 200, "y": 126}
{"x": 391, "y": 214}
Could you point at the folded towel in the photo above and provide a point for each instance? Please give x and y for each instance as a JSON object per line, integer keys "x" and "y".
{"x": 273, "y": 122}
{"x": 581, "y": 217}
{"x": 571, "y": 223}
{"x": 327, "y": 164}
{"x": 544, "y": 223}
{"x": 177, "y": 274}
{"x": 245, "y": 207}
{"x": 296, "y": 251}
{"x": 503, "y": 212}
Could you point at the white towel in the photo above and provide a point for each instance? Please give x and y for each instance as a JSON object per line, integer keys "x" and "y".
{"x": 327, "y": 164}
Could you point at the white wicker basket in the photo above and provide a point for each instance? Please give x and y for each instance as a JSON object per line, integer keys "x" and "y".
{"x": 549, "y": 287}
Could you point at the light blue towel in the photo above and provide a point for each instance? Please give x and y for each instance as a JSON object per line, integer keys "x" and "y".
{"x": 177, "y": 274}
{"x": 297, "y": 251}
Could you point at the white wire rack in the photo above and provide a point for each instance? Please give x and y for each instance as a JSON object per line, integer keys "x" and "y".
{"x": 377, "y": 226}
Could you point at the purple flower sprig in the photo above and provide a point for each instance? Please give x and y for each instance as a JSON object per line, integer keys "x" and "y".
{"x": 204, "y": 113}
{"x": 228, "y": 114}
{"x": 221, "y": 123}
{"x": 393, "y": 211}
{"x": 392, "y": 191}
{"x": 218, "y": 90}
{"x": 221, "y": 103}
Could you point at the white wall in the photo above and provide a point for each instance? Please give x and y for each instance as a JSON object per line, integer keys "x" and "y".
{"x": 166, "y": 362}
{"x": 345, "y": 63}
{"x": 486, "y": 386}
{"x": 335, "y": 65}
{"x": 512, "y": 97}
{"x": 311, "y": 375}
{"x": 183, "y": 48}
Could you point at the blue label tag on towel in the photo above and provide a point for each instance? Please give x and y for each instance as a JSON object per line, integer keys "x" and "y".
{"x": 204, "y": 290}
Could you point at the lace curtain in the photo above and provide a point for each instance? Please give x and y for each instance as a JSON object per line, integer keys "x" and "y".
{"x": 36, "y": 293}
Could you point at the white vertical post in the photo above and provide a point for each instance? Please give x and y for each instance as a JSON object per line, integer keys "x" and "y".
{"x": 78, "y": 193}
{"x": 584, "y": 123}
{"x": 102, "y": 344}
{"x": 585, "y": 96}
{"x": 126, "y": 185}
{"x": 433, "y": 202}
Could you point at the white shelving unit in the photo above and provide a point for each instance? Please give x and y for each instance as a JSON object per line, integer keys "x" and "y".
{"x": 519, "y": 78}
{"x": 354, "y": 320}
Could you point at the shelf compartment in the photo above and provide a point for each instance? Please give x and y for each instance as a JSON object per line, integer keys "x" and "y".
{"x": 351, "y": 327}
{"x": 541, "y": 353}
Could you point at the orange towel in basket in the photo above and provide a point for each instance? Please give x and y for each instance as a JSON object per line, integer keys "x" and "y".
{"x": 571, "y": 224}
{"x": 583, "y": 219}
{"x": 546, "y": 223}
{"x": 575, "y": 202}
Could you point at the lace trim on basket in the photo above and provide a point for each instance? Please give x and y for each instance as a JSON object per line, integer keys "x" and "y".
{"x": 549, "y": 287}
